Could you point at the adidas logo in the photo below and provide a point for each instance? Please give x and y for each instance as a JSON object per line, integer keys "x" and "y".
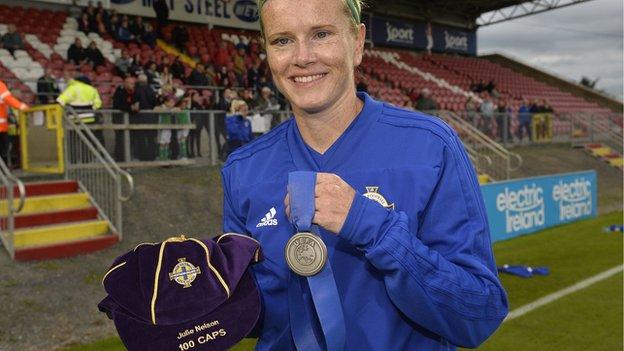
{"x": 268, "y": 219}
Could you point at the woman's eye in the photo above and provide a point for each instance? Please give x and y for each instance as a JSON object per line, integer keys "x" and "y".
{"x": 322, "y": 35}
{"x": 281, "y": 41}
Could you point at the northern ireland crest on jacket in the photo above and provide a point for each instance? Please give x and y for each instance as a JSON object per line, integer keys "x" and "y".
{"x": 372, "y": 192}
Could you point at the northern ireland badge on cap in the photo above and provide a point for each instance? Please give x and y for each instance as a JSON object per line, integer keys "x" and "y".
{"x": 184, "y": 293}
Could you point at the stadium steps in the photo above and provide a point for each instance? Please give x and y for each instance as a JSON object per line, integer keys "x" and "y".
{"x": 57, "y": 220}
{"x": 606, "y": 153}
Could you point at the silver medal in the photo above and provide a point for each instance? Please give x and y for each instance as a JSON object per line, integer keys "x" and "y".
{"x": 306, "y": 254}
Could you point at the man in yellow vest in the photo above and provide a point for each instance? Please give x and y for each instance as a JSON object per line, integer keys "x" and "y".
{"x": 81, "y": 95}
{"x": 85, "y": 99}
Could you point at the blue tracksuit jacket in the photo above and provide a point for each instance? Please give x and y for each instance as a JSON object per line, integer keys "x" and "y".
{"x": 413, "y": 263}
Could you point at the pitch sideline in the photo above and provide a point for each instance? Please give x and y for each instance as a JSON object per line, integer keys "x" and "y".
{"x": 563, "y": 292}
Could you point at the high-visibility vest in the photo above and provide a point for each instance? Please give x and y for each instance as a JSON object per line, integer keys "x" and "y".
{"x": 7, "y": 100}
{"x": 81, "y": 96}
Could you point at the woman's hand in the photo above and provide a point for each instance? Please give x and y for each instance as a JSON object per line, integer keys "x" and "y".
{"x": 333, "y": 199}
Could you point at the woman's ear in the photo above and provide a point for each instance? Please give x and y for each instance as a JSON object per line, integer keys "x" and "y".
{"x": 359, "y": 44}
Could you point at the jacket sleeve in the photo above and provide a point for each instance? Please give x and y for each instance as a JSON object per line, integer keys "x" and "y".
{"x": 232, "y": 223}
{"x": 8, "y": 98}
{"x": 442, "y": 277}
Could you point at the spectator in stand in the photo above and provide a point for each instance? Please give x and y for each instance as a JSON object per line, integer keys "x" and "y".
{"x": 162, "y": 15}
{"x": 47, "y": 90}
{"x": 112, "y": 25}
{"x": 222, "y": 57}
{"x": 76, "y": 53}
{"x": 12, "y": 40}
{"x": 123, "y": 63}
{"x": 137, "y": 28}
{"x": 490, "y": 87}
{"x": 136, "y": 68}
{"x": 63, "y": 81}
{"x": 122, "y": 100}
{"x": 425, "y": 102}
{"x": 83, "y": 23}
{"x": 487, "y": 113}
{"x": 471, "y": 112}
{"x": 267, "y": 104}
{"x": 197, "y": 77}
{"x": 149, "y": 36}
{"x": 210, "y": 74}
{"x": 123, "y": 32}
{"x": 100, "y": 10}
{"x": 180, "y": 37}
{"x": 524, "y": 119}
{"x": 238, "y": 127}
{"x": 249, "y": 98}
{"x": 153, "y": 76}
{"x": 177, "y": 69}
{"x": 90, "y": 11}
{"x": 503, "y": 121}
{"x": 233, "y": 78}
{"x": 164, "y": 62}
{"x": 100, "y": 24}
{"x": 200, "y": 120}
{"x": 224, "y": 104}
{"x": 239, "y": 60}
{"x": 144, "y": 141}
{"x": 166, "y": 113}
{"x": 93, "y": 55}
{"x": 253, "y": 76}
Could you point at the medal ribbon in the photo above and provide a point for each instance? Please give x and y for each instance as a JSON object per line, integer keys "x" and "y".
{"x": 322, "y": 286}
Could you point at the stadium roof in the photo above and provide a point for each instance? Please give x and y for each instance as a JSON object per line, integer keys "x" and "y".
{"x": 467, "y": 12}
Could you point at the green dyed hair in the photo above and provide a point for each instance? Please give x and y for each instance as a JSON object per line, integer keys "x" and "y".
{"x": 353, "y": 9}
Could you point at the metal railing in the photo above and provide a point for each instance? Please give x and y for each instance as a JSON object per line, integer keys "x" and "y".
{"x": 489, "y": 156}
{"x": 7, "y": 222}
{"x": 591, "y": 128}
{"x": 97, "y": 174}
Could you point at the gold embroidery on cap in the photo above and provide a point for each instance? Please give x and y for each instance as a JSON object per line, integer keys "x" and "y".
{"x": 112, "y": 269}
{"x": 184, "y": 273}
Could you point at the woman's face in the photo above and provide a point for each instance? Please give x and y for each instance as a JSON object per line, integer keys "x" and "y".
{"x": 312, "y": 51}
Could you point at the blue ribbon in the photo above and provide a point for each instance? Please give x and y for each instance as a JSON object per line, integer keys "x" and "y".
{"x": 322, "y": 286}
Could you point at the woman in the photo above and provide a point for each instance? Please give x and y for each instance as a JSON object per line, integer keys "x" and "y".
{"x": 237, "y": 125}
{"x": 94, "y": 55}
{"x": 396, "y": 199}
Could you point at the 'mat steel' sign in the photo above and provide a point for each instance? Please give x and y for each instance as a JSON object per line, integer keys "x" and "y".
{"x": 527, "y": 205}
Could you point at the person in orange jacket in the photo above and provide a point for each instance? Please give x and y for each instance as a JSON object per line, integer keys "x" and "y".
{"x": 6, "y": 100}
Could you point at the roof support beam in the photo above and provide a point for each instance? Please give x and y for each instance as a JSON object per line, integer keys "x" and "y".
{"x": 524, "y": 9}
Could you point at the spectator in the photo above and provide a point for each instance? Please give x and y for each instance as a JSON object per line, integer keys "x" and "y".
{"x": 123, "y": 63}
{"x": 524, "y": 119}
{"x": 84, "y": 25}
{"x": 137, "y": 28}
{"x": 253, "y": 76}
{"x": 503, "y": 121}
{"x": 166, "y": 113}
{"x": 425, "y": 102}
{"x": 47, "y": 90}
{"x": 11, "y": 40}
{"x": 267, "y": 104}
{"x": 112, "y": 25}
{"x": 76, "y": 53}
{"x": 149, "y": 37}
{"x": 162, "y": 15}
{"x": 224, "y": 104}
{"x": 471, "y": 112}
{"x": 100, "y": 24}
{"x": 90, "y": 11}
{"x": 198, "y": 76}
{"x": 123, "y": 32}
{"x": 238, "y": 127}
{"x": 63, "y": 81}
{"x": 210, "y": 74}
{"x": 239, "y": 60}
{"x": 153, "y": 76}
{"x": 122, "y": 100}
{"x": 180, "y": 37}
{"x": 183, "y": 118}
{"x": 100, "y": 10}
{"x": 93, "y": 55}
{"x": 487, "y": 112}
{"x": 144, "y": 141}
{"x": 164, "y": 63}
{"x": 249, "y": 98}
{"x": 177, "y": 69}
{"x": 222, "y": 57}
{"x": 201, "y": 122}
{"x": 135, "y": 67}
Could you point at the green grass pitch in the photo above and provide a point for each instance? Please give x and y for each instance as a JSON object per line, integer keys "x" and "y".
{"x": 589, "y": 319}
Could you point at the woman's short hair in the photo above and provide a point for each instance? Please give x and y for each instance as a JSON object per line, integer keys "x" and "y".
{"x": 352, "y": 9}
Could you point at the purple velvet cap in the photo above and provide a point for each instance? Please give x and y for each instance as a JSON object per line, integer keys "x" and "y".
{"x": 184, "y": 293}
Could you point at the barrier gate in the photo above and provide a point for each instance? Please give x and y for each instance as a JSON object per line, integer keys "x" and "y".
{"x": 41, "y": 139}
